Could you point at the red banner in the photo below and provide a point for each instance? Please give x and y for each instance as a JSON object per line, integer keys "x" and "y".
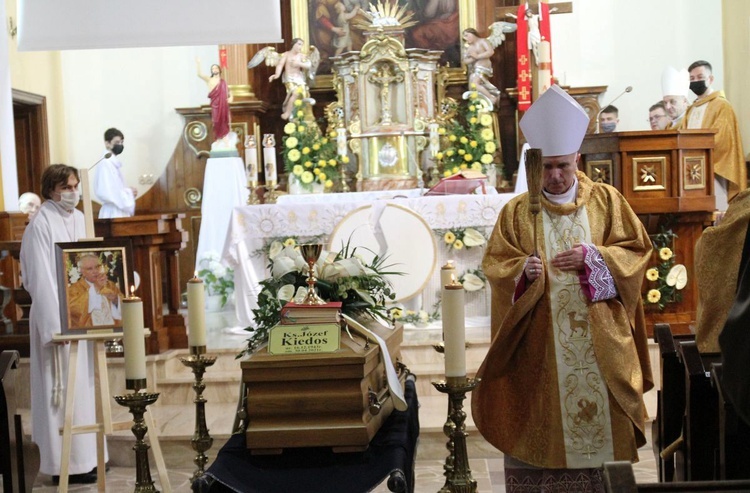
{"x": 523, "y": 55}
{"x": 223, "y": 56}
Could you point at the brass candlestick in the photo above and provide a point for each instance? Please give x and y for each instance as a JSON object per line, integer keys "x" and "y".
{"x": 252, "y": 199}
{"x": 136, "y": 404}
{"x": 201, "y": 440}
{"x": 271, "y": 196}
{"x": 311, "y": 253}
{"x": 457, "y": 470}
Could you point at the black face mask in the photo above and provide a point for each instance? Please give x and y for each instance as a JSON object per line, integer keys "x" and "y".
{"x": 698, "y": 87}
{"x": 117, "y": 149}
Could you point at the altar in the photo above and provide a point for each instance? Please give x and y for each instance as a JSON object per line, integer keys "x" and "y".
{"x": 252, "y": 229}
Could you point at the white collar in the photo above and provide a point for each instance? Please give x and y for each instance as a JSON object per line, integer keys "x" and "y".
{"x": 566, "y": 197}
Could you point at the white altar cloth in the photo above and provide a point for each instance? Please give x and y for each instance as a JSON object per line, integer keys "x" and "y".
{"x": 223, "y": 190}
{"x": 252, "y": 227}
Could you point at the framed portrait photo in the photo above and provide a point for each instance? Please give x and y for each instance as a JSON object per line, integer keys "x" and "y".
{"x": 328, "y": 25}
{"x": 92, "y": 279}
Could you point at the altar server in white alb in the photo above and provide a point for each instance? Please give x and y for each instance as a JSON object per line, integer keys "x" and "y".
{"x": 118, "y": 200}
{"x": 56, "y": 221}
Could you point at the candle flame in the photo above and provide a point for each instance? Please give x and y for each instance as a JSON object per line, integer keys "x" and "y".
{"x": 453, "y": 278}
{"x": 132, "y": 290}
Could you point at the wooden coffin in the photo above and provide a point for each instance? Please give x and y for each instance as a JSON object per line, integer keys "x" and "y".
{"x": 336, "y": 400}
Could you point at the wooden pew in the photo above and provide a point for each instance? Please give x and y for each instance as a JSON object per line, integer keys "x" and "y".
{"x": 670, "y": 409}
{"x": 19, "y": 461}
{"x": 619, "y": 478}
{"x": 701, "y": 425}
{"x": 734, "y": 435}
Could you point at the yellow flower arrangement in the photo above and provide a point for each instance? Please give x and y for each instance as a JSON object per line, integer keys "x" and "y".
{"x": 329, "y": 183}
{"x": 447, "y": 173}
{"x": 461, "y": 238}
{"x": 470, "y": 137}
{"x": 665, "y": 253}
{"x": 294, "y": 155}
{"x": 298, "y": 102}
{"x": 477, "y": 166}
{"x": 652, "y": 274}
{"x": 449, "y": 237}
{"x": 305, "y": 139}
{"x": 458, "y": 244}
{"x": 290, "y": 242}
{"x": 653, "y": 296}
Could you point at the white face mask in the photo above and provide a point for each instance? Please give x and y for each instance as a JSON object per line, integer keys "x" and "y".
{"x": 69, "y": 200}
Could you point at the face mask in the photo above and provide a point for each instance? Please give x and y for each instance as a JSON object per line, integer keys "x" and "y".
{"x": 608, "y": 127}
{"x": 117, "y": 149}
{"x": 698, "y": 87}
{"x": 69, "y": 200}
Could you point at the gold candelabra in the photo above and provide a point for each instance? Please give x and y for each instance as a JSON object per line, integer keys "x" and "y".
{"x": 271, "y": 196}
{"x": 201, "y": 441}
{"x": 136, "y": 404}
{"x": 457, "y": 470}
{"x": 252, "y": 198}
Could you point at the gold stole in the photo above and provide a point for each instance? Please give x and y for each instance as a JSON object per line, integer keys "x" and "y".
{"x": 584, "y": 399}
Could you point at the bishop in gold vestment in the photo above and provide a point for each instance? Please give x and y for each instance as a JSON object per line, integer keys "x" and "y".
{"x": 717, "y": 262}
{"x": 563, "y": 381}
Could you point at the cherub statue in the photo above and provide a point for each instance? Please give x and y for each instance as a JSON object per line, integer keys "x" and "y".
{"x": 220, "y": 96}
{"x": 477, "y": 54}
{"x": 297, "y": 69}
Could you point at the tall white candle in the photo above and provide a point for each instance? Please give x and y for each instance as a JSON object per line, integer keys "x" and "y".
{"x": 132, "y": 338}
{"x": 88, "y": 212}
{"x": 447, "y": 273}
{"x": 251, "y": 159}
{"x": 434, "y": 139}
{"x": 196, "y": 312}
{"x": 454, "y": 330}
{"x": 269, "y": 158}
{"x": 341, "y": 141}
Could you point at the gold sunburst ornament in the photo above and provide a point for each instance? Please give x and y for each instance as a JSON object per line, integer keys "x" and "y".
{"x": 385, "y": 16}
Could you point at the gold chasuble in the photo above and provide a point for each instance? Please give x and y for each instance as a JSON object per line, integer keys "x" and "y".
{"x": 563, "y": 381}
{"x": 715, "y": 112}
{"x": 717, "y": 262}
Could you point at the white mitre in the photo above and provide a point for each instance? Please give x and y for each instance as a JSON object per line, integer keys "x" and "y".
{"x": 555, "y": 123}
{"x": 675, "y": 82}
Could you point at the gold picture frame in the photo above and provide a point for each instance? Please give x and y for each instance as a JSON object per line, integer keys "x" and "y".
{"x": 695, "y": 172}
{"x": 467, "y": 17}
{"x": 649, "y": 173}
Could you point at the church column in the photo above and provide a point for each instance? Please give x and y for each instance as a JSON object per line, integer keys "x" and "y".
{"x": 237, "y": 75}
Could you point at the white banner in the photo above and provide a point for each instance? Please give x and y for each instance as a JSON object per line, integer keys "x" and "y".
{"x": 52, "y": 25}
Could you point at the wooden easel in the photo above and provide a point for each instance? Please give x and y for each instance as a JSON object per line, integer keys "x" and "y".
{"x": 104, "y": 425}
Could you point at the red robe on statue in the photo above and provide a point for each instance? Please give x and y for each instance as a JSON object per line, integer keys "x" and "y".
{"x": 220, "y": 109}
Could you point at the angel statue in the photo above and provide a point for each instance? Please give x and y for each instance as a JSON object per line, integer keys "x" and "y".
{"x": 477, "y": 54}
{"x": 297, "y": 67}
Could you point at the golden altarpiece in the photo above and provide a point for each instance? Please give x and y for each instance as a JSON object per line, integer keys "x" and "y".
{"x": 386, "y": 99}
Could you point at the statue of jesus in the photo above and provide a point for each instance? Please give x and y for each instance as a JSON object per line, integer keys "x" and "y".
{"x": 220, "y": 96}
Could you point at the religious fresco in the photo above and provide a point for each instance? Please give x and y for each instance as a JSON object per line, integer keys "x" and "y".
{"x": 332, "y": 31}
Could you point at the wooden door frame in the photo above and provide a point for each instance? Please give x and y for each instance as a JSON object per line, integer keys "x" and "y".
{"x": 36, "y": 105}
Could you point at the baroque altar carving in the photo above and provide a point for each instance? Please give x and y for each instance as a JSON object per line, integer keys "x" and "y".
{"x": 386, "y": 101}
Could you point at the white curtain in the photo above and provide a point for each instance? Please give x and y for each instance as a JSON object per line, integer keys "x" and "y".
{"x": 51, "y": 25}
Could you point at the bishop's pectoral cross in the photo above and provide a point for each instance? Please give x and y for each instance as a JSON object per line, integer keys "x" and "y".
{"x": 501, "y": 14}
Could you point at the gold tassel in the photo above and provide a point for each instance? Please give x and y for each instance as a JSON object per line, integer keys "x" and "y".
{"x": 534, "y": 168}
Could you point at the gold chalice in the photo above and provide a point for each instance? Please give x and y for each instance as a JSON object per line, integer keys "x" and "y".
{"x": 311, "y": 253}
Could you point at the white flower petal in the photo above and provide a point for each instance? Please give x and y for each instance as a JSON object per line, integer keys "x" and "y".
{"x": 286, "y": 292}
{"x": 472, "y": 282}
{"x": 473, "y": 238}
